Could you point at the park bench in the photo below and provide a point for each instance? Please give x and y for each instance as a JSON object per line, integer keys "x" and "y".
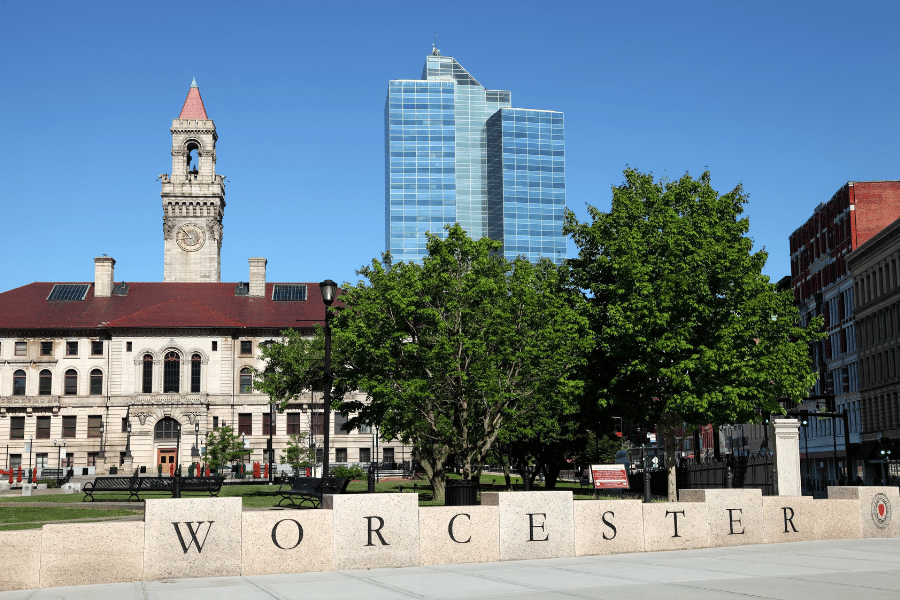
{"x": 60, "y": 476}
{"x": 311, "y": 489}
{"x": 210, "y": 485}
{"x": 131, "y": 485}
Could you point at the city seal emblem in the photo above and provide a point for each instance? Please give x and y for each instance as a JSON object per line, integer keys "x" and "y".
{"x": 881, "y": 510}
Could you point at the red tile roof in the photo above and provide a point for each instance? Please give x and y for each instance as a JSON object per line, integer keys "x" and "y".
{"x": 193, "y": 106}
{"x": 159, "y": 306}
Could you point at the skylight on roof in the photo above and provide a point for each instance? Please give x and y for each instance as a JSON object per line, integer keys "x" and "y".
{"x": 69, "y": 291}
{"x": 289, "y": 291}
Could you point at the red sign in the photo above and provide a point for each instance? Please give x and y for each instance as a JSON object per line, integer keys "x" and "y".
{"x": 609, "y": 477}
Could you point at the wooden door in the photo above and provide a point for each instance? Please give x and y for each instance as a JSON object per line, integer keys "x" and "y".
{"x": 165, "y": 457}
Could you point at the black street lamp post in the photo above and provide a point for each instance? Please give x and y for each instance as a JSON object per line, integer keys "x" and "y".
{"x": 195, "y": 451}
{"x": 329, "y": 290}
{"x": 271, "y": 448}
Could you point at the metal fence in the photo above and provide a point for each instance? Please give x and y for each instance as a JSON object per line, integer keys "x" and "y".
{"x": 733, "y": 471}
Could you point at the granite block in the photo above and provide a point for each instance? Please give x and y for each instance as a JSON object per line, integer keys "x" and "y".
{"x": 534, "y": 524}
{"x": 192, "y": 537}
{"x": 286, "y": 541}
{"x": 878, "y": 506}
{"x": 735, "y": 515}
{"x": 675, "y": 526}
{"x": 26, "y": 489}
{"x": 789, "y": 519}
{"x": 458, "y": 534}
{"x": 91, "y": 553}
{"x": 374, "y": 530}
{"x": 20, "y": 555}
{"x": 608, "y": 527}
{"x": 837, "y": 519}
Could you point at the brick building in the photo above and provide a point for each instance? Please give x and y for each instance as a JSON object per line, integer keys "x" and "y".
{"x": 108, "y": 373}
{"x": 823, "y": 285}
{"x": 876, "y": 283}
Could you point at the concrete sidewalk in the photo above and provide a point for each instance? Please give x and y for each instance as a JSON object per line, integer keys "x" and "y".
{"x": 866, "y": 569}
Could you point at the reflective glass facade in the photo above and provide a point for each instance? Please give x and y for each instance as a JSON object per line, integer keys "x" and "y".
{"x": 439, "y": 168}
{"x": 527, "y": 182}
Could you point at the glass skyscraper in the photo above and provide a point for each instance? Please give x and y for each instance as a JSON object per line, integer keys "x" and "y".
{"x": 456, "y": 152}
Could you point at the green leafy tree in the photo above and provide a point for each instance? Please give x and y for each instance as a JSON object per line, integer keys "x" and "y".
{"x": 223, "y": 447}
{"x": 455, "y": 349}
{"x": 688, "y": 329}
{"x": 297, "y": 452}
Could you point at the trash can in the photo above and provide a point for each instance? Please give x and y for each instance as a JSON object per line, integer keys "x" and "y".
{"x": 461, "y": 492}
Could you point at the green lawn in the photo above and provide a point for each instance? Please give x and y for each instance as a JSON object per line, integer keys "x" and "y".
{"x": 30, "y": 517}
{"x": 261, "y": 496}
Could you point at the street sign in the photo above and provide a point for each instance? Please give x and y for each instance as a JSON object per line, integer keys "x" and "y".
{"x": 655, "y": 461}
{"x": 651, "y": 437}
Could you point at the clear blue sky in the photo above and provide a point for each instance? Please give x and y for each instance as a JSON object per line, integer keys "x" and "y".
{"x": 790, "y": 99}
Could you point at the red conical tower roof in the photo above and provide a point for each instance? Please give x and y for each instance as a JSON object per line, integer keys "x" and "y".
{"x": 193, "y": 104}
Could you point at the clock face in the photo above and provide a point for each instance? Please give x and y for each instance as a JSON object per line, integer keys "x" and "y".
{"x": 190, "y": 237}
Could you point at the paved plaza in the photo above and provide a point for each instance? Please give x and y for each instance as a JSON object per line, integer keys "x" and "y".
{"x": 866, "y": 569}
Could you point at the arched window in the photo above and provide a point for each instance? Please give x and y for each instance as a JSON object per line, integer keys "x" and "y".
{"x": 96, "y": 382}
{"x": 246, "y": 381}
{"x": 45, "y": 383}
{"x": 71, "y": 382}
{"x": 171, "y": 373}
{"x": 19, "y": 383}
{"x": 147, "y": 385}
{"x": 195, "y": 374}
{"x": 166, "y": 429}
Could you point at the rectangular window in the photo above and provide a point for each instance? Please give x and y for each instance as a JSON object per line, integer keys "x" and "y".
{"x": 340, "y": 455}
{"x": 245, "y": 424}
{"x": 70, "y": 460}
{"x": 21, "y": 348}
{"x": 41, "y": 460}
{"x": 17, "y": 428}
{"x": 246, "y": 347}
{"x": 96, "y": 348}
{"x": 267, "y": 424}
{"x": 215, "y": 422}
{"x": 365, "y": 455}
{"x": 124, "y": 424}
{"x": 68, "y": 429}
{"x": 46, "y": 348}
{"x": 127, "y": 346}
{"x": 388, "y": 454}
{"x": 92, "y": 459}
{"x": 43, "y": 428}
{"x": 293, "y": 423}
{"x": 71, "y": 348}
{"x": 365, "y": 429}
{"x": 95, "y": 422}
{"x": 15, "y": 461}
{"x": 215, "y": 346}
{"x": 317, "y": 423}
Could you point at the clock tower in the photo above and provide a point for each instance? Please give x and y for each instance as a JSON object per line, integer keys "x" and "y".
{"x": 193, "y": 198}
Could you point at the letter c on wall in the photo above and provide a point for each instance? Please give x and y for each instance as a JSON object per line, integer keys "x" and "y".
{"x": 450, "y": 528}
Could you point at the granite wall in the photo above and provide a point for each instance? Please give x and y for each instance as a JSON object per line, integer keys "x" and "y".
{"x": 203, "y": 537}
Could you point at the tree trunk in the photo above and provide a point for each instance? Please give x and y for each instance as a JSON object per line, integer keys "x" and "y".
{"x": 667, "y": 428}
{"x": 434, "y": 464}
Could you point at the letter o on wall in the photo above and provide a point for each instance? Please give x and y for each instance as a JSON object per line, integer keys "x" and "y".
{"x": 299, "y": 534}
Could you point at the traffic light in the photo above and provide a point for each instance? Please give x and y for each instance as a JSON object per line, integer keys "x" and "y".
{"x": 804, "y": 418}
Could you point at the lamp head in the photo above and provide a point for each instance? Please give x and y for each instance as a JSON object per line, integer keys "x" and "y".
{"x": 328, "y": 289}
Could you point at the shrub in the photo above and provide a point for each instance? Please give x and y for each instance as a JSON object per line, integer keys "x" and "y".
{"x": 355, "y": 472}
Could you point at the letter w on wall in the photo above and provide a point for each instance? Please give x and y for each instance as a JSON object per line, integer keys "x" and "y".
{"x": 193, "y": 531}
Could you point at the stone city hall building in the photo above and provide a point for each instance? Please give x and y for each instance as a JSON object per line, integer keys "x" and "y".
{"x": 106, "y": 373}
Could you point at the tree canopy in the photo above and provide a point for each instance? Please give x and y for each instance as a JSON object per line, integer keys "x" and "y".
{"x": 687, "y": 328}
{"x": 449, "y": 352}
